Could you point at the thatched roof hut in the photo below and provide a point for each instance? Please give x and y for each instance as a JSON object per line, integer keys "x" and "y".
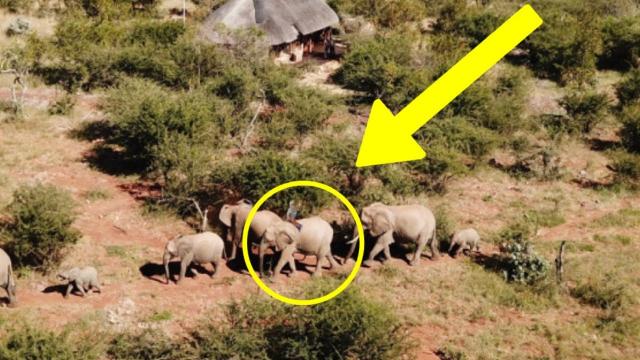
{"x": 283, "y": 21}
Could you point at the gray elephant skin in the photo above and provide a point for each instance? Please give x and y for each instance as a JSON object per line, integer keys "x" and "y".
{"x": 83, "y": 279}
{"x": 412, "y": 223}
{"x": 313, "y": 238}
{"x": 234, "y": 216}
{"x": 7, "y": 281}
{"x": 464, "y": 240}
{"x": 206, "y": 247}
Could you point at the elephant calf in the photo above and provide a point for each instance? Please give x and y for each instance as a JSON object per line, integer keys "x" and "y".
{"x": 206, "y": 247}
{"x": 464, "y": 240}
{"x": 83, "y": 279}
{"x": 7, "y": 281}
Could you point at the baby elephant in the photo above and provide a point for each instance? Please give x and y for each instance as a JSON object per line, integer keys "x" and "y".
{"x": 464, "y": 240}
{"x": 83, "y": 279}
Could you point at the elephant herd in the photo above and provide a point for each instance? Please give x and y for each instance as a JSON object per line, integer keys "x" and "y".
{"x": 312, "y": 236}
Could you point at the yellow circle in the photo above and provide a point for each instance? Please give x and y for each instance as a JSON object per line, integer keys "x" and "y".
{"x": 245, "y": 237}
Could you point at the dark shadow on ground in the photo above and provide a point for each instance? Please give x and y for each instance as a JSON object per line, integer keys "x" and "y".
{"x": 60, "y": 289}
{"x": 155, "y": 272}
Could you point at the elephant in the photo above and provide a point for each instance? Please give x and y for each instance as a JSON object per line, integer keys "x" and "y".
{"x": 463, "y": 240}
{"x": 83, "y": 279}
{"x": 206, "y": 247}
{"x": 234, "y": 216}
{"x": 414, "y": 223}
{"x": 6, "y": 278}
{"x": 313, "y": 238}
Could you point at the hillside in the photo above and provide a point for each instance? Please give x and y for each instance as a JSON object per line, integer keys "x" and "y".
{"x": 135, "y": 119}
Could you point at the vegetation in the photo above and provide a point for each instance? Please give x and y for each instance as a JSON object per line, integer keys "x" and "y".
{"x": 40, "y": 227}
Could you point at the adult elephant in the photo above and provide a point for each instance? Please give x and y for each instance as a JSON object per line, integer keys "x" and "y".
{"x": 7, "y": 281}
{"x": 413, "y": 223}
{"x": 234, "y": 216}
{"x": 313, "y": 238}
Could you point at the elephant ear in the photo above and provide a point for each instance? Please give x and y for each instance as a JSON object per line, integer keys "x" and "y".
{"x": 382, "y": 222}
{"x": 226, "y": 213}
{"x": 287, "y": 236}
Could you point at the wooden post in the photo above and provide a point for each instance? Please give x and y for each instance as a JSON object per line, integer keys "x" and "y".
{"x": 560, "y": 262}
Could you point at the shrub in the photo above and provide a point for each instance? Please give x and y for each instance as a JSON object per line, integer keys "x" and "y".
{"x": 476, "y": 26}
{"x": 349, "y": 326}
{"x": 567, "y": 46}
{"x": 607, "y": 292}
{"x": 381, "y": 67}
{"x": 621, "y": 43}
{"x": 254, "y": 176}
{"x": 434, "y": 172}
{"x": 461, "y": 135}
{"x": 28, "y": 343}
{"x": 627, "y": 167}
{"x": 147, "y": 119}
{"x": 630, "y": 132}
{"x": 40, "y": 228}
{"x": 390, "y": 13}
{"x": 628, "y": 90}
{"x": 63, "y": 105}
{"x": 521, "y": 264}
{"x": 586, "y": 109}
{"x": 149, "y": 345}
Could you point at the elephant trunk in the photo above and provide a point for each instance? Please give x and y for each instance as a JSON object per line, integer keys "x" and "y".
{"x": 165, "y": 262}
{"x": 263, "y": 248}
{"x": 353, "y": 243}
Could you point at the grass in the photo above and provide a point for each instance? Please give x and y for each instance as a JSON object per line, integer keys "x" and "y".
{"x": 628, "y": 217}
{"x": 158, "y": 316}
{"x": 97, "y": 194}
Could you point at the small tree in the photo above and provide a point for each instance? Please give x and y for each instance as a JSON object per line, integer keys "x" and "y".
{"x": 586, "y": 108}
{"x": 40, "y": 227}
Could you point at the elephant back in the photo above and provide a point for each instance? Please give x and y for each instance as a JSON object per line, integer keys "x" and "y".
{"x": 207, "y": 247}
{"x": 315, "y": 234}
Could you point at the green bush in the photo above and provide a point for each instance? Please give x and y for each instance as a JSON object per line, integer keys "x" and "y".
{"x": 585, "y": 108}
{"x": 461, "y": 135}
{"x": 381, "y": 67}
{"x": 149, "y": 345}
{"x": 630, "y": 132}
{"x": 476, "y": 26}
{"x": 349, "y": 326}
{"x": 147, "y": 119}
{"x": 621, "y": 43}
{"x": 496, "y": 106}
{"x": 567, "y": 46}
{"x": 627, "y": 167}
{"x": 29, "y": 343}
{"x": 389, "y": 13}
{"x": 40, "y": 227}
{"x": 607, "y": 292}
{"x": 628, "y": 90}
{"x": 63, "y": 105}
{"x": 521, "y": 264}
{"x": 253, "y": 176}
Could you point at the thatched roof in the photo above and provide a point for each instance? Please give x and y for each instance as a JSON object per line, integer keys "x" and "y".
{"x": 282, "y": 20}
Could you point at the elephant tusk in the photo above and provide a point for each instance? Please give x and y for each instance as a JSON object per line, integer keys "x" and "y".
{"x": 353, "y": 240}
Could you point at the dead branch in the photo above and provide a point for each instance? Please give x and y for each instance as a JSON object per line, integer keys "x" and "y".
{"x": 560, "y": 262}
{"x": 251, "y": 126}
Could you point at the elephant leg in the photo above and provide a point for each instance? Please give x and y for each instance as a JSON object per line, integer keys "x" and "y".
{"x": 433, "y": 244}
{"x": 332, "y": 261}
{"x": 216, "y": 265}
{"x": 377, "y": 248}
{"x": 422, "y": 242}
{"x": 234, "y": 250}
{"x": 318, "y": 271}
{"x": 81, "y": 288}
{"x": 184, "y": 264}
{"x": 387, "y": 253}
{"x": 292, "y": 265}
{"x": 285, "y": 257}
{"x": 69, "y": 289}
{"x": 97, "y": 288}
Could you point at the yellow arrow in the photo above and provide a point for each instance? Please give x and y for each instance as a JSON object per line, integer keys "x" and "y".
{"x": 388, "y": 138}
